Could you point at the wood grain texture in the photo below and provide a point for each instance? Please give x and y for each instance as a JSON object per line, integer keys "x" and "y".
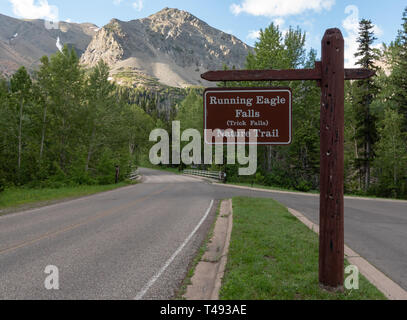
{"x": 330, "y": 74}
{"x": 281, "y": 75}
{"x": 262, "y": 75}
{"x": 331, "y": 255}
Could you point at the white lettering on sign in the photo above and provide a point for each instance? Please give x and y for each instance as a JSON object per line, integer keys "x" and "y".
{"x": 247, "y": 114}
{"x": 248, "y": 102}
{"x": 241, "y": 134}
{"x": 272, "y": 102}
{"x": 267, "y": 112}
{"x": 234, "y": 101}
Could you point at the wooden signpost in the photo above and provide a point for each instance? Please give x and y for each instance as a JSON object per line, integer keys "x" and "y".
{"x": 330, "y": 75}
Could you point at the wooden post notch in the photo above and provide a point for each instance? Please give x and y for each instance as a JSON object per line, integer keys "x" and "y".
{"x": 330, "y": 75}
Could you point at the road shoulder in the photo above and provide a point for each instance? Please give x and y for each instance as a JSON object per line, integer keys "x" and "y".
{"x": 303, "y": 193}
{"x": 207, "y": 279}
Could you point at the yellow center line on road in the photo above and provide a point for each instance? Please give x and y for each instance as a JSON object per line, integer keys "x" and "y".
{"x": 81, "y": 223}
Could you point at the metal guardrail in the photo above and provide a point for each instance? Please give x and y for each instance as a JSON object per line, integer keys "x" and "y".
{"x": 134, "y": 175}
{"x": 216, "y": 175}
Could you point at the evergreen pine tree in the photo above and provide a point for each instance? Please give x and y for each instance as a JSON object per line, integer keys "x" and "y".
{"x": 365, "y": 92}
{"x": 399, "y": 75}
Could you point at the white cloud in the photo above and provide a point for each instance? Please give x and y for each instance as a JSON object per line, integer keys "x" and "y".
{"x": 377, "y": 31}
{"x": 254, "y": 35}
{"x": 31, "y": 9}
{"x": 138, "y": 5}
{"x": 279, "y": 22}
{"x": 280, "y": 8}
{"x": 351, "y": 26}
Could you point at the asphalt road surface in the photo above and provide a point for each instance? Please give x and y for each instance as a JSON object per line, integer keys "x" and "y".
{"x": 137, "y": 242}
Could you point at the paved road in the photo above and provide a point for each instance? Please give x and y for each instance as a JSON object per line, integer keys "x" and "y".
{"x": 137, "y": 242}
{"x": 107, "y": 246}
{"x": 376, "y": 229}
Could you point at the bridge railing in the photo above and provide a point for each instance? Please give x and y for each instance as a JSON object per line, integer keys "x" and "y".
{"x": 216, "y": 175}
{"x": 134, "y": 175}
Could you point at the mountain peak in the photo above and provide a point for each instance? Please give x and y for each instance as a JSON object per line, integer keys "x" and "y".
{"x": 170, "y": 11}
{"x": 171, "y": 46}
{"x": 114, "y": 21}
{"x": 172, "y": 14}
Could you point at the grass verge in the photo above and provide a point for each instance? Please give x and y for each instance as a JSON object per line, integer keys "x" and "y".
{"x": 18, "y": 197}
{"x": 191, "y": 270}
{"x": 259, "y": 186}
{"x": 273, "y": 256}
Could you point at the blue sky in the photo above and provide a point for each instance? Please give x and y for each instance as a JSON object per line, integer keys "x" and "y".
{"x": 242, "y": 18}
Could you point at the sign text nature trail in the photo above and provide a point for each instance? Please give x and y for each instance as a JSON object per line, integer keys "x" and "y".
{"x": 267, "y": 111}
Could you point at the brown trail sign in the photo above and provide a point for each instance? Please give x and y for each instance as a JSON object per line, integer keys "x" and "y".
{"x": 268, "y": 111}
{"x": 330, "y": 75}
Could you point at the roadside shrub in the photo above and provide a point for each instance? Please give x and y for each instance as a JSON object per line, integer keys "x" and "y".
{"x": 278, "y": 178}
{"x": 304, "y": 186}
{"x": 105, "y": 170}
{"x": 259, "y": 178}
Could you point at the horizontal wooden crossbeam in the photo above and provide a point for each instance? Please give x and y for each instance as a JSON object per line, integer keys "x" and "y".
{"x": 281, "y": 75}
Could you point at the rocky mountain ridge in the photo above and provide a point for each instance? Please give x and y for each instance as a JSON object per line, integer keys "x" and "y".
{"x": 172, "y": 47}
{"x": 24, "y": 42}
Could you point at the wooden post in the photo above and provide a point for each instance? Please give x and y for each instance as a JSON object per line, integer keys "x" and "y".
{"x": 331, "y": 244}
{"x": 117, "y": 176}
{"x": 330, "y": 75}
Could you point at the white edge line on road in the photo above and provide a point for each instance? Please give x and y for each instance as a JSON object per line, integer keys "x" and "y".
{"x": 150, "y": 283}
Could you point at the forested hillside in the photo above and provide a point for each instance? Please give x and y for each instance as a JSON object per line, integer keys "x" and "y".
{"x": 69, "y": 125}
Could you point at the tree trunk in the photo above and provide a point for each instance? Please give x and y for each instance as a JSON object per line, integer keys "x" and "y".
{"x": 43, "y": 132}
{"x": 20, "y": 129}
{"x": 367, "y": 173}
{"x": 355, "y": 143}
{"x": 62, "y": 150}
{"x": 90, "y": 150}
{"x": 368, "y": 140}
{"x": 269, "y": 156}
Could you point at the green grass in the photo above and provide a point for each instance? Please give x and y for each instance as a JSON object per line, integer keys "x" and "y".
{"x": 16, "y": 197}
{"x": 260, "y": 186}
{"x": 273, "y": 256}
